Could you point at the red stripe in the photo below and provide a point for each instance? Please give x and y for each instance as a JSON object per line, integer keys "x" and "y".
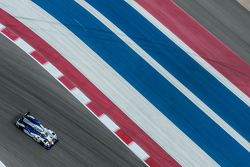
{"x": 9, "y": 34}
{"x": 221, "y": 57}
{"x": 100, "y": 103}
{"x": 66, "y": 82}
{"x": 123, "y": 136}
{"x": 95, "y": 108}
{"x": 151, "y": 162}
{"x": 36, "y": 55}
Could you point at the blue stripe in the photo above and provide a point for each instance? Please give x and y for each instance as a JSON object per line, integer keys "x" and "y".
{"x": 178, "y": 63}
{"x": 172, "y": 103}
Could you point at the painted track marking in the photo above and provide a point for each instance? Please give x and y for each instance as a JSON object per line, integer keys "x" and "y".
{"x": 78, "y": 94}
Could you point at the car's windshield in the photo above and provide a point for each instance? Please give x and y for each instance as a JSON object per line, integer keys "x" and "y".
{"x": 44, "y": 135}
{"x": 35, "y": 121}
{"x": 40, "y": 130}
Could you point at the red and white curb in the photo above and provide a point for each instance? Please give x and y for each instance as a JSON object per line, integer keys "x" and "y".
{"x": 78, "y": 94}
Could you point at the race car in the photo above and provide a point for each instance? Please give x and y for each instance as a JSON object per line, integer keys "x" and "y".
{"x": 33, "y": 128}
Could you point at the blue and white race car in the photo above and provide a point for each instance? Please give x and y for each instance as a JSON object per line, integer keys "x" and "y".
{"x": 32, "y": 127}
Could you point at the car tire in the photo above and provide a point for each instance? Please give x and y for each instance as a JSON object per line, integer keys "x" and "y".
{"x": 19, "y": 127}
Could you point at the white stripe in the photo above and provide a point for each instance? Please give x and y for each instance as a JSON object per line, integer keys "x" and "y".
{"x": 111, "y": 125}
{"x": 202, "y": 106}
{"x": 121, "y": 93}
{"x": 138, "y": 151}
{"x": 1, "y": 164}
{"x": 1, "y": 28}
{"x": 245, "y": 4}
{"x": 80, "y": 96}
{"x": 24, "y": 45}
{"x": 190, "y": 52}
{"x": 52, "y": 70}
{"x": 103, "y": 118}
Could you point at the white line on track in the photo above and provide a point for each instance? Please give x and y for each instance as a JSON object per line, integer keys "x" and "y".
{"x": 138, "y": 151}
{"x": 82, "y": 98}
{"x": 2, "y": 27}
{"x": 52, "y": 69}
{"x": 108, "y": 123}
{"x": 24, "y": 45}
{"x": 122, "y": 94}
{"x": 1, "y": 164}
{"x": 190, "y": 52}
{"x": 200, "y": 104}
{"x": 245, "y": 4}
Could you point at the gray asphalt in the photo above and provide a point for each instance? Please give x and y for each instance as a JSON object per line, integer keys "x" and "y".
{"x": 84, "y": 141}
{"x": 226, "y": 19}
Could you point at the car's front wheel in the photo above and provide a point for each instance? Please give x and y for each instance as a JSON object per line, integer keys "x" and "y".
{"x": 18, "y": 126}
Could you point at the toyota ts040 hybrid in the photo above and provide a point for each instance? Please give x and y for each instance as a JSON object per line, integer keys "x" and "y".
{"x": 32, "y": 127}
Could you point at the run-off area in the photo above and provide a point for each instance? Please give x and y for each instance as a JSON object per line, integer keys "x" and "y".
{"x": 84, "y": 141}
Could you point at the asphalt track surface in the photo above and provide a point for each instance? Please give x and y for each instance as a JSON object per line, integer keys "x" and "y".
{"x": 25, "y": 86}
{"x": 84, "y": 141}
{"x": 226, "y": 19}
